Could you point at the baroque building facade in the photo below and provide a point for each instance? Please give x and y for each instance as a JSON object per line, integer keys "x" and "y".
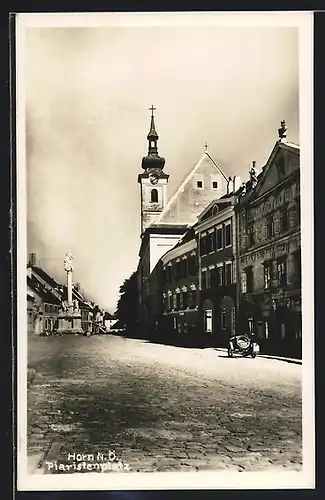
{"x": 180, "y": 299}
{"x": 217, "y": 257}
{"x": 268, "y": 220}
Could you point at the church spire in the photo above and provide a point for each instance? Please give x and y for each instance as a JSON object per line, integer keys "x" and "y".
{"x": 152, "y": 160}
{"x": 152, "y": 136}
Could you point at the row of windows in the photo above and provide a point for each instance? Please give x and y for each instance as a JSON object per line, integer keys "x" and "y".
{"x": 275, "y": 274}
{"x": 274, "y": 225}
{"x": 200, "y": 185}
{"x": 181, "y": 269}
{"x": 226, "y": 322}
{"x": 51, "y": 308}
{"x": 263, "y": 330}
{"x": 180, "y": 300}
{"x": 217, "y": 239}
{"x": 218, "y": 276}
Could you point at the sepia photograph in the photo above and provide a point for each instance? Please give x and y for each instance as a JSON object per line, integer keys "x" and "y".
{"x": 165, "y": 250}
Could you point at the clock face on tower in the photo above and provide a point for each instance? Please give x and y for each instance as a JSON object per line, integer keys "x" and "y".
{"x": 153, "y": 178}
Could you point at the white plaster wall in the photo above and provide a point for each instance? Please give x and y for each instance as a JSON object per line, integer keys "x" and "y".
{"x": 159, "y": 245}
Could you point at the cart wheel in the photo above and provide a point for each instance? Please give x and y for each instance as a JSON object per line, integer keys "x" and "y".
{"x": 230, "y": 353}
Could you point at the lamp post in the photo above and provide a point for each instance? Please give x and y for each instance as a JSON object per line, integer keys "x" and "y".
{"x": 250, "y": 324}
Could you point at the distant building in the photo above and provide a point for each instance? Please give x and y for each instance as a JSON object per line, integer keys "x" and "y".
{"x": 270, "y": 252}
{"x": 43, "y": 302}
{"x": 109, "y": 320}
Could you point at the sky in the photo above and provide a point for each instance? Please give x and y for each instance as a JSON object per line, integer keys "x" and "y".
{"x": 88, "y": 93}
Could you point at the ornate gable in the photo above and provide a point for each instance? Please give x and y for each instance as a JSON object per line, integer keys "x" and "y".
{"x": 282, "y": 163}
{"x": 215, "y": 208}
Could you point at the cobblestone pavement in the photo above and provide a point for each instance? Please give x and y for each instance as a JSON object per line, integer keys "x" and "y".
{"x": 160, "y": 408}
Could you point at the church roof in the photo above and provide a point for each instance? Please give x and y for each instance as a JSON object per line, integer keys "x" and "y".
{"x": 185, "y": 211}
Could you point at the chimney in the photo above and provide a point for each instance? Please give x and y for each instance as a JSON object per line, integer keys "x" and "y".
{"x": 229, "y": 181}
{"x": 234, "y": 184}
{"x": 32, "y": 259}
{"x": 29, "y": 271}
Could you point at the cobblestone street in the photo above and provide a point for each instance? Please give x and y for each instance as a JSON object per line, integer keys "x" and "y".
{"x": 161, "y": 408}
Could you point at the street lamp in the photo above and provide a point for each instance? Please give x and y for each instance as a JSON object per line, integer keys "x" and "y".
{"x": 250, "y": 324}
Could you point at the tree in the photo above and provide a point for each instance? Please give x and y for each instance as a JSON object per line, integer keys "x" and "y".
{"x": 127, "y": 305}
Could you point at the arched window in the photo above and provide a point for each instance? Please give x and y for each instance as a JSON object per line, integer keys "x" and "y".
{"x": 154, "y": 196}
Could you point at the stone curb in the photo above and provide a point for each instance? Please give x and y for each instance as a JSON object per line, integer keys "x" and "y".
{"x": 269, "y": 356}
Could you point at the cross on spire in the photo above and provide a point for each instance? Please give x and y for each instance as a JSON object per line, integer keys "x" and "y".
{"x": 152, "y": 109}
{"x": 206, "y": 146}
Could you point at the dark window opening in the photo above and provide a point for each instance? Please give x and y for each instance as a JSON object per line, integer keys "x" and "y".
{"x": 297, "y": 268}
{"x": 178, "y": 270}
{"x": 223, "y": 319}
{"x": 154, "y": 196}
{"x": 250, "y": 237}
{"x": 228, "y": 274}
{"x": 281, "y": 272}
{"x": 199, "y": 184}
{"x": 192, "y": 265}
{"x": 294, "y": 218}
{"x": 284, "y": 220}
{"x": 203, "y": 245}
{"x": 214, "y": 185}
{"x": 220, "y": 275}
{"x": 228, "y": 235}
{"x": 270, "y": 227}
{"x": 210, "y": 245}
{"x": 184, "y": 268}
{"x": 219, "y": 239}
{"x": 267, "y": 274}
{"x": 213, "y": 278}
{"x": 249, "y": 279}
{"x": 192, "y": 299}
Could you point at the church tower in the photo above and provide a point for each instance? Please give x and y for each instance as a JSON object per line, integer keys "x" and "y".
{"x": 153, "y": 180}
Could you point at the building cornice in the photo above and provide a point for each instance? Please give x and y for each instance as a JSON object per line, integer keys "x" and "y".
{"x": 179, "y": 251}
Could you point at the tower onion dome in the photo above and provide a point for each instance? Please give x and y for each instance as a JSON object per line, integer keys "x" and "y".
{"x": 153, "y": 160}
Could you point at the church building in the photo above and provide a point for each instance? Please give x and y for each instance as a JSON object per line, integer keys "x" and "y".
{"x": 165, "y": 221}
